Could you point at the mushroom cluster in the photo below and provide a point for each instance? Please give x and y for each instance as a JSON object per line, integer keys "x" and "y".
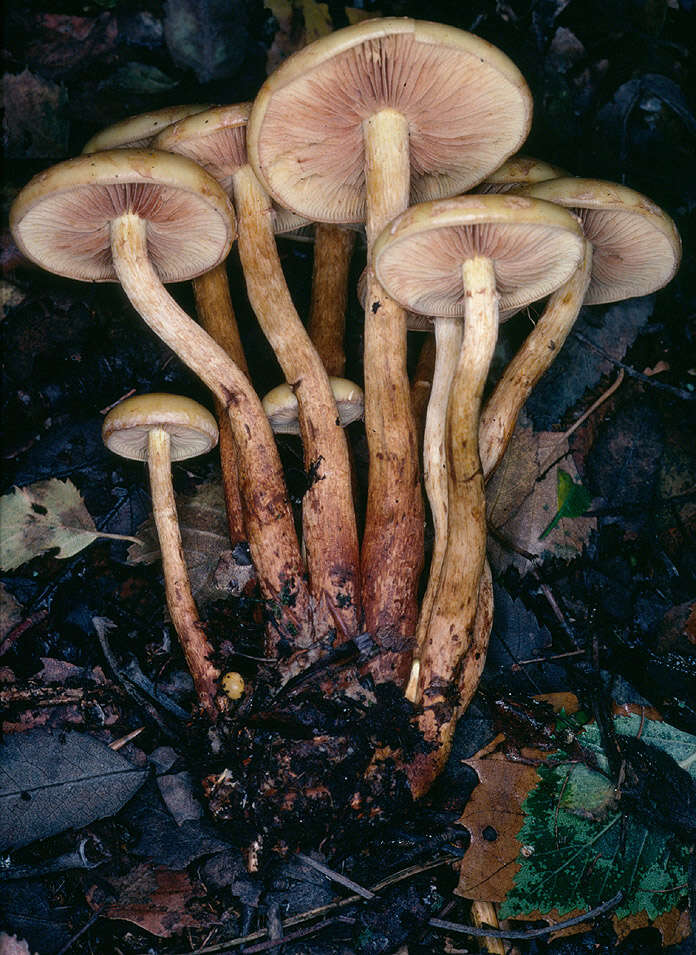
{"x": 411, "y": 131}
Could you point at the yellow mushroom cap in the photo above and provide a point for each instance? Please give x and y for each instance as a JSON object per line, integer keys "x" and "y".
{"x": 636, "y": 248}
{"x": 520, "y": 171}
{"x": 419, "y": 256}
{"x": 191, "y": 427}
{"x": 62, "y": 218}
{"x": 280, "y": 405}
{"x": 137, "y": 131}
{"x": 233, "y": 685}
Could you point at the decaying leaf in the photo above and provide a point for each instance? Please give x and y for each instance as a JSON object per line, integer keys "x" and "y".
{"x": 35, "y": 123}
{"x": 524, "y": 498}
{"x": 213, "y": 571}
{"x": 43, "y": 516}
{"x": 209, "y": 37}
{"x": 52, "y": 781}
{"x": 156, "y": 899}
{"x": 564, "y": 845}
{"x": 11, "y": 611}
{"x": 301, "y": 22}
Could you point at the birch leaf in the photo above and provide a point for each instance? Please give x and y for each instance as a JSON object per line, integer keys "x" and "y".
{"x": 45, "y": 516}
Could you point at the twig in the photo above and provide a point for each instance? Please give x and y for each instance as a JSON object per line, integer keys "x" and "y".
{"x": 646, "y": 379}
{"x": 556, "y": 656}
{"x": 77, "y": 859}
{"x": 527, "y": 933}
{"x": 323, "y": 910}
{"x": 88, "y": 924}
{"x": 336, "y": 877}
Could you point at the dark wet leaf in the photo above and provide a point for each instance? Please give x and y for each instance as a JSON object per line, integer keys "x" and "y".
{"x": 50, "y": 782}
{"x": 140, "y": 78}
{"x": 206, "y": 36}
{"x": 578, "y": 366}
{"x": 36, "y": 123}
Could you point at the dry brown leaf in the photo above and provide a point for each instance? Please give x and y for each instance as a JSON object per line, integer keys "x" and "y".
{"x": 213, "y": 571}
{"x": 156, "y": 899}
{"x": 522, "y": 498}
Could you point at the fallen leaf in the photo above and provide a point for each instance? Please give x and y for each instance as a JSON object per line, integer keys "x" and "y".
{"x": 157, "y": 900}
{"x": 11, "y": 945}
{"x": 213, "y": 571}
{"x": 50, "y": 782}
{"x": 11, "y": 611}
{"x": 209, "y": 37}
{"x": 61, "y": 42}
{"x": 523, "y": 497}
{"x": 35, "y": 123}
{"x": 139, "y": 78}
{"x": 301, "y": 22}
{"x": 43, "y": 516}
{"x": 573, "y": 501}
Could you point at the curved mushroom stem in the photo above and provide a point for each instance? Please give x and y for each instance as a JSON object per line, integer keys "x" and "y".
{"x": 328, "y": 516}
{"x": 536, "y": 354}
{"x": 333, "y": 247}
{"x": 182, "y": 607}
{"x": 216, "y": 315}
{"x": 392, "y": 549}
{"x": 485, "y": 913}
{"x": 422, "y": 383}
{"x": 269, "y": 521}
{"x": 448, "y": 339}
{"x": 452, "y": 622}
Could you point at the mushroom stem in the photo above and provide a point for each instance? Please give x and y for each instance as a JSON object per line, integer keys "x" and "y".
{"x": 392, "y": 549}
{"x": 333, "y": 247}
{"x": 182, "y": 607}
{"x": 422, "y": 383}
{"x": 448, "y": 343}
{"x": 536, "y": 354}
{"x": 269, "y": 522}
{"x": 451, "y": 627}
{"x": 328, "y": 516}
{"x": 216, "y": 315}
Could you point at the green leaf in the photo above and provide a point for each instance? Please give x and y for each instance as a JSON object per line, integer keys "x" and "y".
{"x": 44, "y": 516}
{"x": 573, "y": 501}
{"x": 579, "y": 850}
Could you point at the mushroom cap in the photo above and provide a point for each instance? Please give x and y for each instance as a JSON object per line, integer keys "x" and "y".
{"x": 419, "y": 256}
{"x": 191, "y": 427}
{"x": 137, "y": 131}
{"x": 61, "y": 220}
{"x": 467, "y": 105}
{"x": 280, "y": 405}
{"x": 636, "y": 246}
{"x": 216, "y": 140}
{"x": 520, "y": 171}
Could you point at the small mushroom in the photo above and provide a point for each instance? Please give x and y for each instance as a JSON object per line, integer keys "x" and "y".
{"x": 519, "y": 171}
{"x": 143, "y": 218}
{"x": 454, "y": 258}
{"x": 159, "y": 429}
{"x": 281, "y": 406}
{"x": 350, "y": 129}
{"x": 135, "y": 132}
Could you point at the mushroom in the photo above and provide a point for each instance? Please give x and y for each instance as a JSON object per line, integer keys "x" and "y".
{"x": 159, "y": 429}
{"x": 349, "y": 129}
{"x": 213, "y": 302}
{"x": 135, "y": 132}
{"x": 449, "y": 259}
{"x": 217, "y": 139}
{"x": 633, "y": 249}
{"x": 145, "y": 218}
{"x": 281, "y": 406}
{"x": 520, "y": 171}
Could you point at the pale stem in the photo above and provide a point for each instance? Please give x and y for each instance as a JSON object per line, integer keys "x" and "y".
{"x": 269, "y": 522}
{"x": 182, "y": 607}
{"x": 328, "y": 516}
{"x": 333, "y": 247}
{"x": 450, "y": 632}
{"x": 536, "y": 354}
{"x": 392, "y": 550}
{"x": 216, "y": 315}
{"x": 448, "y": 339}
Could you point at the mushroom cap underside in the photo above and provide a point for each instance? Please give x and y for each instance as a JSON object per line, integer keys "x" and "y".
{"x": 419, "y": 256}
{"x": 467, "y": 105}
{"x": 62, "y": 218}
{"x": 191, "y": 427}
{"x": 636, "y": 246}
